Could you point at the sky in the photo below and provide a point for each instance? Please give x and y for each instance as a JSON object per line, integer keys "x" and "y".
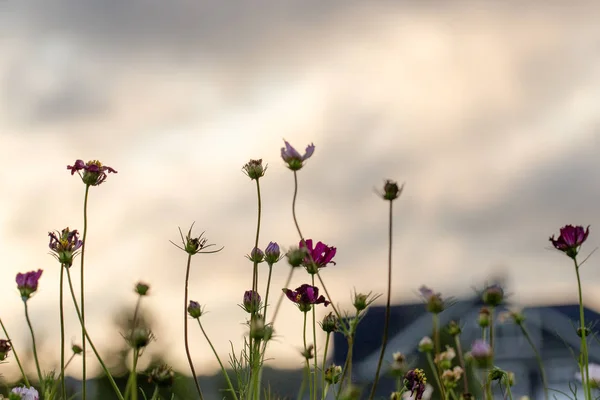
{"x": 487, "y": 112}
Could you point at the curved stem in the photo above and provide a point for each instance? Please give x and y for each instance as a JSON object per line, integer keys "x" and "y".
{"x": 585, "y": 380}
{"x": 387, "y": 307}
{"x": 35, "y": 355}
{"x": 185, "y": 328}
{"x": 83, "y": 246}
{"x": 15, "y": 354}
{"x": 87, "y": 336}
{"x": 225, "y": 375}
{"x": 62, "y": 333}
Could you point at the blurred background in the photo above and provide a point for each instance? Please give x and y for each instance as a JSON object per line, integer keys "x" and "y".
{"x": 488, "y": 111}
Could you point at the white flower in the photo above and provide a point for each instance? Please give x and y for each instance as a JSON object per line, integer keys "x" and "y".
{"x": 594, "y": 375}
{"x": 27, "y": 393}
{"x": 426, "y": 394}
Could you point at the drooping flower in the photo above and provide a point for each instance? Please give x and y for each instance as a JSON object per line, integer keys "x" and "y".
{"x": 254, "y": 169}
{"x": 305, "y": 296}
{"x": 295, "y": 160}
{"x": 65, "y": 245}
{"x": 570, "y": 240}
{"x": 272, "y": 253}
{"x": 27, "y": 283}
{"x": 26, "y": 393}
{"x": 415, "y": 381}
{"x": 319, "y": 256}
{"x": 94, "y": 173}
{"x": 433, "y": 301}
{"x": 251, "y": 301}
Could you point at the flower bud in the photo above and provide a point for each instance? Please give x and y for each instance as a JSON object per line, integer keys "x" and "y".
{"x": 426, "y": 345}
{"x": 482, "y": 354}
{"x": 296, "y": 256}
{"x": 251, "y": 301}
{"x": 330, "y": 323}
{"x": 256, "y": 255}
{"x": 454, "y": 329}
{"x": 272, "y": 253}
{"x": 360, "y": 301}
{"x": 484, "y": 317}
{"x": 142, "y": 289}
{"x": 4, "y": 349}
{"x": 333, "y": 374}
{"x": 254, "y": 169}
{"x": 493, "y": 295}
{"x": 76, "y": 349}
{"x": 194, "y": 310}
{"x": 585, "y": 330}
{"x": 433, "y": 301}
{"x": 391, "y": 191}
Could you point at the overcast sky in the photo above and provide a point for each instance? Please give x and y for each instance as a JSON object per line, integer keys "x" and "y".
{"x": 488, "y": 113}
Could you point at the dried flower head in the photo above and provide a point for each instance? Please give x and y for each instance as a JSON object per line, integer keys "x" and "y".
{"x": 570, "y": 240}
{"x": 305, "y": 296}
{"x": 194, "y": 245}
{"x": 140, "y": 337}
{"x": 27, "y": 283}
{"x": 65, "y": 245}
{"x": 4, "y": 349}
{"x": 293, "y": 159}
{"x": 254, "y": 169}
{"x": 94, "y": 173}
{"x": 415, "y": 381}
{"x": 161, "y": 375}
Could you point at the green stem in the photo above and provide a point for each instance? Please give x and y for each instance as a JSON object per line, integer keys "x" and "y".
{"x": 508, "y": 388}
{"x": 539, "y": 360}
{"x": 461, "y": 360}
{"x": 435, "y": 373}
{"x": 387, "y": 307}
{"x": 225, "y": 375}
{"x": 62, "y": 333}
{"x": 492, "y": 328}
{"x": 35, "y": 355}
{"x": 314, "y": 318}
{"x": 62, "y": 373}
{"x": 585, "y": 380}
{"x": 155, "y": 394}
{"x": 254, "y": 368}
{"x": 347, "y": 371}
{"x": 87, "y": 336}
{"x": 323, "y": 367}
{"x": 83, "y": 246}
{"x": 185, "y": 327}
{"x": 267, "y": 294}
{"x": 134, "y": 388}
{"x": 306, "y": 352}
{"x": 132, "y": 381}
{"x": 15, "y": 354}
{"x": 436, "y": 335}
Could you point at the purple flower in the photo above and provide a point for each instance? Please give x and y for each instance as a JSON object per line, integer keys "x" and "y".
{"x": 415, "y": 381}
{"x": 293, "y": 159}
{"x": 194, "y": 310}
{"x": 94, "y": 173}
{"x": 26, "y": 393}
{"x": 305, "y": 296}
{"x": 64, "y": 245}
{"x": 482, "y": 353}
{"x": 27, "y": 283}
{"x": 320, "y": 255}
{"x": 256, "y": 255}
{"x": 570, "y": 239}
{"x": 251, "y": 301}
{"x": 272, "y": 253}
{"x": 433, "y": 301}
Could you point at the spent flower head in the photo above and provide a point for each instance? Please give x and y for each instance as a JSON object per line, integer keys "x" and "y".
{"x": 330, "y": 323}
{"x": 194, "y": 245}
{"x": 391, "y": 190}
{"x": 317, "y": 257}
{"x": 433, "y": 301}
{"x": 305, "y": 296}
{"x": 570, "y": 240}
{"x": 415, "y": 381}
{"x": 272, "y": 253}
{"x": 4, "y": 349}
{"x": 293, "y": 159}
{"x": 65, "y": 245}
{"x": 27, "y": 283}
{"x": 194, "y": 309}
{"x": 92, "y": 173}
{"x": 254, "y": 169}
{"x": 161, "y": 375}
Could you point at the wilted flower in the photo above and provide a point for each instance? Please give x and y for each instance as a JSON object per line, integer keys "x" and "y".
{"x": 493, "y": 295}
{"x": 426, "y": 345}
{"x": 415, "y": 381}
{"x": 161, "y": 375}
{"x": 570, "y": 240}
{"x": 305, "y": 296}
{"x": 330, "y": 323}
{"x": 333, "y": 374}
{"x": 4, "y": 349}
{"x": 194, "y": 245}
{"x": 27, "y": 283}
{"x": 319, "y": 256}
{"x": 64, "y": 245}
{"x": 26, "y": 393}
{"x": 391, "y": 191}
{"x": 594, "y": 370}
{"x": 296, "y": 256}
{"x": 254, "y": 169}
{"x": 450, "y": 377}
{"x": 251, "y": 301}
{"x": 256, "y": 255}
{"x": 194, "y": 310}
{"x": 433, "y": 301}
{"x": 482, "y": 353}
{"x": 142, "y": 288}
{"x": 272, "y": 253}
{"x": 94, "y": 173}
{"x": 293, "y": 159}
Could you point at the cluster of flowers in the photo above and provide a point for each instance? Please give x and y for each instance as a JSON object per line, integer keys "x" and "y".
{"x": 448, "y": 367}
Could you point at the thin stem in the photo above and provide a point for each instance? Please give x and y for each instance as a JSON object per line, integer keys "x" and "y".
{"x": 83, "y": 246}
{"x": 347, "y": 371}
{"x": 508, "y": 388}
{"x": 134, "y": 388}
{"x": 435, "y": 373}
{"x": 155, "y": 394}
{"x": 538, "y": 358}
{"x": 87, "y": 336}
{"x": 35, "y": 355}
{"x": 267, "y": 294}
{"x": 584, "y": 350}
{"x": 15, "y": 354}
{"x": 282, "y": 295}
{"x": 185, "y": 327}
{"x": 62, "y": 334}
{"x": 306, "y": 353}
{"x": 492, "y": 328}
{"x": 62, "y": 373}
{"x": 323, "y": 367}
{"x": 219, "y": 360}
{"x": 387, "y": 307}
{"x": 253, "y": 367}
{"x": 314, "y": 318}
{"x": 461, "y": 360}
{"x": 132, "y": 381}
{"x": 436, "y": 336}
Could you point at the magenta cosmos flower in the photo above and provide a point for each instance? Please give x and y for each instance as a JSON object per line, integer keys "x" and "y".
{"x": 320, "y": 255}
{"x": 570, "y": 239}
{"x": 64, "y": 245}
{"x": 27, "y": 283}
{"x": 305, "y": 296}
{"x": 94, "y": 173}
{"x": 293, "y": 159}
